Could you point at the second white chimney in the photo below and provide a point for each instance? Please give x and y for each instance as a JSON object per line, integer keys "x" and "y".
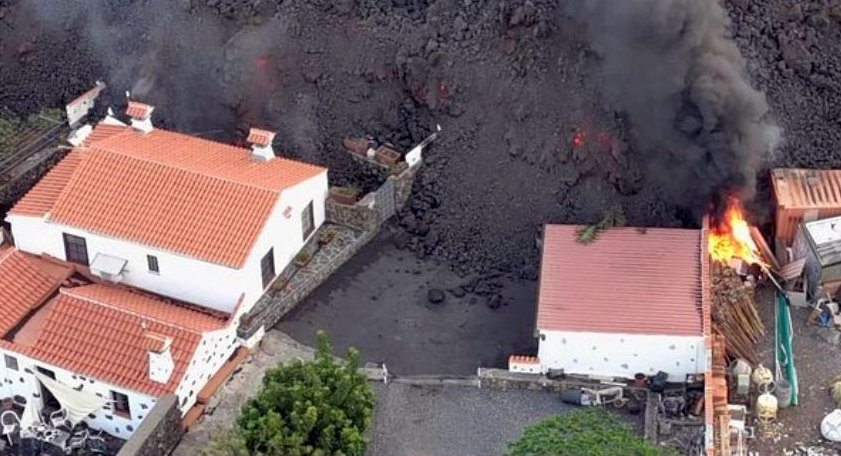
{"x": 141, "y": 116}
{"x": 261, "y": 144}
{"x": 161, "y": 364}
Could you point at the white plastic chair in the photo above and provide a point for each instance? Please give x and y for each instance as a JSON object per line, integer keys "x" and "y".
{"x": 10, "y": 422}
{"x": 59, "y": 418}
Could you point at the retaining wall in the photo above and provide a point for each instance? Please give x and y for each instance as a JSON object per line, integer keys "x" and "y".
{"x": 159, "y": 432}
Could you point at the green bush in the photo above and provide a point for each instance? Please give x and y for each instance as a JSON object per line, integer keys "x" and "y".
{"x": 582, "y": 432}
{"x": 304, "y": 408}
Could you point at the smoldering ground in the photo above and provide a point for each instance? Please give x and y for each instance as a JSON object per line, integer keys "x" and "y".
{"x": 698, "y": 125}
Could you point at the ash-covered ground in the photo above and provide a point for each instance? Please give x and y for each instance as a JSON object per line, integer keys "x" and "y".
{"x": 530, "y": 134}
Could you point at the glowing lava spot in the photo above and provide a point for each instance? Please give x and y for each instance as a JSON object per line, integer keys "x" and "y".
{"x": 578, "y": 139}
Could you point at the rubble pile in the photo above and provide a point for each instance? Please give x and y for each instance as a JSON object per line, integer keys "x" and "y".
{"x": 734, "y": 314}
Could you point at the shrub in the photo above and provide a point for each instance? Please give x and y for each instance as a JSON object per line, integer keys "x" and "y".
{"x": 582, "y": 432}
{"x": 304, "y": 408}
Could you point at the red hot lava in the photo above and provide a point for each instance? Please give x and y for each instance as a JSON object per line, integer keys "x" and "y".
{"x": 578, "y": 138}
{"x": 261, "y": 62}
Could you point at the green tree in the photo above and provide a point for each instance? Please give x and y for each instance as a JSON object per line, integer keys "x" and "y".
{"x": 304, "y": 408}
{"x": 582, "y": 432}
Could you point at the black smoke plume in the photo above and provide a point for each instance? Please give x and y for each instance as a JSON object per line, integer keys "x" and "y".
{"x": 698, "y": 125}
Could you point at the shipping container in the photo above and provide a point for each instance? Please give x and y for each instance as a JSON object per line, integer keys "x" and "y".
{"x": 804, "y": 195}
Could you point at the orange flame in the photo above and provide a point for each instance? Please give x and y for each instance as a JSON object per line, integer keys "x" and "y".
{"x": 731, "y": 237}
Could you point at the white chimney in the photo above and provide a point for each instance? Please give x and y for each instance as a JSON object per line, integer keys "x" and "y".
{"x": 141, "y": 116}
{"x": 261, "y": 144}
{"x": 161, "y": 364}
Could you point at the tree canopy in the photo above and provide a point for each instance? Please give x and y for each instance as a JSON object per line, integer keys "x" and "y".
{"x": 582, "y": 432}
{"x": 305, "y": 408}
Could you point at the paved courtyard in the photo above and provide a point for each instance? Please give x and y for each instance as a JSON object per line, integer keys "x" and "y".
{"x": 378, "y": 303}
{"x": 453, "y": 420}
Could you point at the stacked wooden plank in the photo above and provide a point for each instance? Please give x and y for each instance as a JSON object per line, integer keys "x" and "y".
{"x": 734, "y": 314}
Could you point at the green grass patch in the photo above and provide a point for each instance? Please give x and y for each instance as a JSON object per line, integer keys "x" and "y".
{"x": 14, "y": 129}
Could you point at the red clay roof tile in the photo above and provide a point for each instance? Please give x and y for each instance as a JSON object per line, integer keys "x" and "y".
{"x": 41, "y": 198}
{"x": 627, "y": 281}
{"x": 102, "y": 131}
{"x": 168, "y": 190}
{"x": 25, "y": 283}
{"x": 102, "y": 331}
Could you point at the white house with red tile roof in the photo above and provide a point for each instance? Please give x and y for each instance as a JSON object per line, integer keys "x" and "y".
{"x": 629, "y": 302}
{"x": 110, "y": 341}
{"x": 184, "y": 217}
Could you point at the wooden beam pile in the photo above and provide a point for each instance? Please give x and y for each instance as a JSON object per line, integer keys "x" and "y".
{"x": 734, "y": 314}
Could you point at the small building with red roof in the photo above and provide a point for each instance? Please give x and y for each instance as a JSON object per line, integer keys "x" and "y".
{"x": 122, "y": 345}
{"x": 629, "y": 302}
{"x": 199, "y": 221}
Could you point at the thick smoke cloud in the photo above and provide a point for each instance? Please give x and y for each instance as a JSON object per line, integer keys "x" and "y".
{"x": 199, "y": 74}
{"x": 698, "y": 124}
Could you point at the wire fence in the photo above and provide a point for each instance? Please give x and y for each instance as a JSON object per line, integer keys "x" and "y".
{"x": 29, "y": 141}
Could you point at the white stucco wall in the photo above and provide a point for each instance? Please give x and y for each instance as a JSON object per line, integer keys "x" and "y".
{"x": 284, "y": 235}
{"x": 213, "y": 351}
{"x": 22, "y": 383}
{"x": 621, "y": 355}
{"x": 185, "y": 278}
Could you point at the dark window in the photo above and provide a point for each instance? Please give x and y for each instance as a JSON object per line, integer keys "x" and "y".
{"x": 46, "y": 372}
{"x": 267, "y": 268}
{"x": 120, "y": 405}
{"x": 11, "y": 362}
{"x": 307, "y": 222}
{"x": 153, "y": 263}
{"x": 76, "y": 249}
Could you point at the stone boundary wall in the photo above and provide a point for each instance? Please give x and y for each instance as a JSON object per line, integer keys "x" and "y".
{"x": 503, "y": 379}
{"x": 358, "y": 216}
{"x": 363, "y": 217}
{"x": 159, "y": 432}
{"x": 272, "y": 306}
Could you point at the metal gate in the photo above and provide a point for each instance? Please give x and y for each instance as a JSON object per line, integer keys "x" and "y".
{"x": 384, "y": 201}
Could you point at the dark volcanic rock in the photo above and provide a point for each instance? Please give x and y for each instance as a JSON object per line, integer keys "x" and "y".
{"x": 436, "y": 296}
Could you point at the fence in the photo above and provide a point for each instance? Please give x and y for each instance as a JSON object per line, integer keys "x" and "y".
{"x": 31, "y": 142}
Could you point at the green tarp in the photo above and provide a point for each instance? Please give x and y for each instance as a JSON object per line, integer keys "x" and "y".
{"x": 785, "y": 352}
